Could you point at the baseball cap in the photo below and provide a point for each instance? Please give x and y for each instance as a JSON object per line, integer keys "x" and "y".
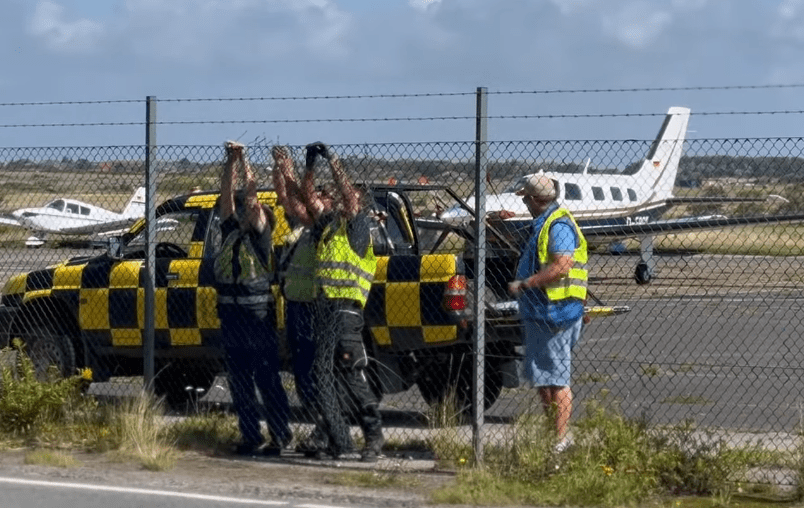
{"x": 537, "y": 185}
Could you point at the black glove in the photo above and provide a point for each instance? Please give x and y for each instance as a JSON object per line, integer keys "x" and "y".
{"x": 317, "y": 148}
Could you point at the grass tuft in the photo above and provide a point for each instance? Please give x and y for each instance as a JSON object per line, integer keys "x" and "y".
{"x": 51, "y": 458}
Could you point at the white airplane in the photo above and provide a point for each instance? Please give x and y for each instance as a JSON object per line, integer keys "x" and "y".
{"x": 65, "y": 216}
{"x": 611, "y": 207}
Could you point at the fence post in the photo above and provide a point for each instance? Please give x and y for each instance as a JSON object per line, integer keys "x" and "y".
{"x": 149, "y": 265}
{"x": 479, "y": 310}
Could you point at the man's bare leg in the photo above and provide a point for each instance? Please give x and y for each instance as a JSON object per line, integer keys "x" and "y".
{"x": 557, "y": 405}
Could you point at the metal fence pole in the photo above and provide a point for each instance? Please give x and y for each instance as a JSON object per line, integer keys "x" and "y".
{"x": 149, "y": 265}
{"x": 479, "y": 310}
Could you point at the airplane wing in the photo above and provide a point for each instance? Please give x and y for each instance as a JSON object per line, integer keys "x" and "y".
{"x": 99, "y": 227}
{"x": 684, "y": 225}
{"x": 8, "y": 220}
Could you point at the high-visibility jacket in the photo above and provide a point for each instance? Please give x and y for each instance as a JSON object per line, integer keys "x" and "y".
{"x": 572, "y": 285}
{"x": 341, "y": 272}
{"x": 300, "y": 275}
{"x": 243, "y": 271}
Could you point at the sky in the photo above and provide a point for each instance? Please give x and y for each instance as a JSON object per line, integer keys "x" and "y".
{"x": 554, "y": 69}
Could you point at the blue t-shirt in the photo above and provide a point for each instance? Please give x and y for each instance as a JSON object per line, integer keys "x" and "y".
{"x": 533, "y": 302}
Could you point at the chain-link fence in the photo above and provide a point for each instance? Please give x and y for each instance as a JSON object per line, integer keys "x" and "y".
{"x": 713, "y": 332}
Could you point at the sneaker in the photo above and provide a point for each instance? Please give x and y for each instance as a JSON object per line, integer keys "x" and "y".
{"x": 369, "y": 455}
{"x": 563, "y": 445}
{"x": 373, "y": 450}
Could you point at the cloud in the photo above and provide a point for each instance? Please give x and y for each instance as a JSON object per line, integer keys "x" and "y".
{"x": 567, "y": 7}
{"x": 789, "y": 25}
{"x": 638, "y": 24}
{"x": 50, "y": 24}
{"x": 790, "y": 9}
{"x": 423, "y": 5}
{"x": 199, "y": 33}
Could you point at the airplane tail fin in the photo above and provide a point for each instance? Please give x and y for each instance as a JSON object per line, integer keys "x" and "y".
{"x": 661, "y": 164}
{"x": 136, "y": 205}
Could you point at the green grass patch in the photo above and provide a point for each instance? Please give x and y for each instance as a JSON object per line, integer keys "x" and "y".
{"x": 614, "y": 462}
{"x": 51, "y": 458}
{"x": 375, "y": 479}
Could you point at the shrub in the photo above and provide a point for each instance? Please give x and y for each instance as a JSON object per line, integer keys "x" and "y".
{"x": 26, "y": 402}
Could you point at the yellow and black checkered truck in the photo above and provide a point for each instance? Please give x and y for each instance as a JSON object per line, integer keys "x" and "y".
{"x": 90, "y": 312}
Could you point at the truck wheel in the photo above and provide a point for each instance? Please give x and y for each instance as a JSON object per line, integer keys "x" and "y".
{"x": 51, "y": 352}
{"x": 437, "y": 384}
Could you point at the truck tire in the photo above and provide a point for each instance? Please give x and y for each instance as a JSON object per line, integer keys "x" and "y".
{"x": 51, "y": 352}
{"x": 436, "y": 384}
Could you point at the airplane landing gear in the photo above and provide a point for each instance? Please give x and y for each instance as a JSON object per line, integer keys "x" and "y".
{"x": 645, "y": 269}
{"x": 642, "y": 274}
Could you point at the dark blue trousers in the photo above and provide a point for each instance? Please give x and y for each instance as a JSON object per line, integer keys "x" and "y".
{"x": 252, "y": 358}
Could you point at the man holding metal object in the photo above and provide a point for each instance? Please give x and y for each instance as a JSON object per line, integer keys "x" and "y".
{"x": 551, "y": 280}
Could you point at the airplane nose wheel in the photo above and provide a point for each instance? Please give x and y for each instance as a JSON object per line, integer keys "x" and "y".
{"x": 642, "y": 274}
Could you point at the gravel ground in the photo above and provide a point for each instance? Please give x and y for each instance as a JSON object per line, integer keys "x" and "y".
{"x": 291, "y": 478}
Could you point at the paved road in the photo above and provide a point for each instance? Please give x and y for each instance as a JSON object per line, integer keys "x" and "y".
{"x": 37, "y": 493}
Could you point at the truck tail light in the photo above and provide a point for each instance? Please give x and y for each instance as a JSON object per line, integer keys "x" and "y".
{"x": 455, "y": 293}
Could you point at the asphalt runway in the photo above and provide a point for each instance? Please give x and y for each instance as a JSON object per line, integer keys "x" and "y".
{"x": 715, "y": 339}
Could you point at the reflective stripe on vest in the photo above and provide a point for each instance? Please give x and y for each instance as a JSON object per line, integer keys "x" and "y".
{"x": 300, "y": 277}
{"x": 572, "y": 285}
{"x": 246, "y": 300}
{"x": 341, "y": 272}
{"x": 252, "y": 269}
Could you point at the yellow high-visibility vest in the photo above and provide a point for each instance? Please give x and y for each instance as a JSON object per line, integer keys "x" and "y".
{"x": 341, "y": 272}
{"x": 572, "y": 285}
{"x": 254, "y": 268}
{"x": 300, "y": 276}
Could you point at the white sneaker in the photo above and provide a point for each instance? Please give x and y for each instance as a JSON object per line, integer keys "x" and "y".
{"x": 562, "y": 445}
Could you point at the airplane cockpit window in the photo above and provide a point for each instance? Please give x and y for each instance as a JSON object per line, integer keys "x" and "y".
{"x": 173, "y": 236}
{"x": 616, "y": 194}
{"x": 84, "y": 210}
{"x": 57, "y": 205}
{"x": 632, "y": 195}
{"x": 572, "y": 192}
{"x": 597, "y": 192}
{"x": 72, "y": 208}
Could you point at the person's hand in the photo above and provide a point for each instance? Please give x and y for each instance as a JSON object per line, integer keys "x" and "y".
{"x": 318, "y": 148}
{"x": 280, "y": 152}
{"x": 234, "y": 149}
{"x": 310, "y": 155}
{"x": 515, "y": 287}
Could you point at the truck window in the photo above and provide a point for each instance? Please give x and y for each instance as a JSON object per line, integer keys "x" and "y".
{"x": 175, "y": 228}
{"x": 399, "y": 224}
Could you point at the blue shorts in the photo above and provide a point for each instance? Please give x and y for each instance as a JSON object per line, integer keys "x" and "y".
{"x": 548, "y": 352}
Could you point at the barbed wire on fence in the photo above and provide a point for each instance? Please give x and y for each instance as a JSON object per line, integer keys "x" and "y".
{"x": 401, "y": 119}
{"x": 417, "y": 95}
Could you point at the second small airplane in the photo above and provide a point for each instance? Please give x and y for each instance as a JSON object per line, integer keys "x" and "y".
{"x": 65, "y": 216}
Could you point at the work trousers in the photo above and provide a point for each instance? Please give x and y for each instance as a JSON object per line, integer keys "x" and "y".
{"x": 252, "y": 358}
{"x": 340, "y": 367}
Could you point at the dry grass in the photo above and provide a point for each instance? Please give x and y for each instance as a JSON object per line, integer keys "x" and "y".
{"x": 51, "y": 458}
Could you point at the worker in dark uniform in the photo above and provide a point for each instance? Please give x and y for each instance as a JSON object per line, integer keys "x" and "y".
{"x": 344, "y": 273}
{"x": 300, "y": 289}
{"x": 244, "y": 268}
